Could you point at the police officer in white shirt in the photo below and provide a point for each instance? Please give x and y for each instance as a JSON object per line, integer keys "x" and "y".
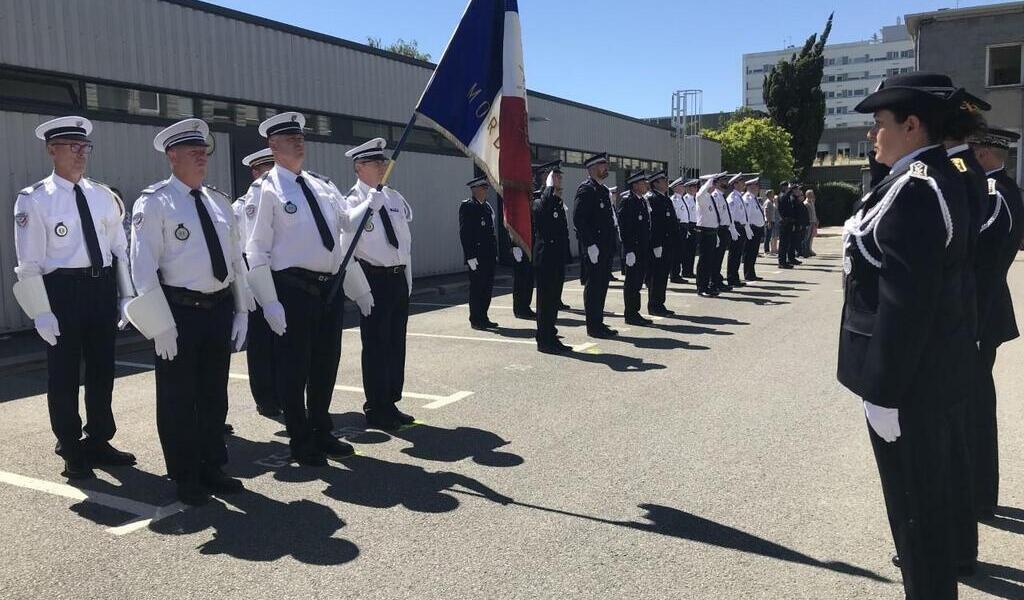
{"x": 258, "y": 350}
{"x": 384, "y": 254}
{"x": 755, "y": 218}
{"x": 689, "y": 251}
{"x": 709, "y": 223}
{"x": 738, "y": 209}
{"x": 72, "y": 267}
{"x": 682, "y": 214}
{"x": 295, "y": 253}
{"x": 727, "y": 232}
{"x": 187, "y": 268}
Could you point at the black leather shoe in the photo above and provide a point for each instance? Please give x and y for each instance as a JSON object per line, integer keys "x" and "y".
{"x": 987, "y": 515}
{"x": 384, "y": 422}
{"x": 310, "y": 459}
{"x": 525, "y": 314}
{"x": 218, "y": 482}
{"x": 896, "y": 561}
{"x": 102, "y": 453}
{"x": 661, "y": 311}
{"x": 677, "y": 280}
{"x": 600, "y": 333}
{"x": 478, "y": 326}
{"x": 229, "y": 429}
{"x": 796, "y": 262}
{"x": 553, "y": 347}
{"x": 638, "y": 320}
{"x": 491, "y": 325}
{"x": 192, "y": 493}
{"x": 612, "y": 277}
{"x": 786, "y": 266}
{"x": 268, "y": 411}
{"x": 77, "y": 467}
{"x": 403, "y": 418}
{"x": 336, "y": 449}
{"x": 564, "y": 306}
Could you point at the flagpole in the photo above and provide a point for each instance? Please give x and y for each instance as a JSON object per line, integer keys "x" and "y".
{"x": 369, "y": 211}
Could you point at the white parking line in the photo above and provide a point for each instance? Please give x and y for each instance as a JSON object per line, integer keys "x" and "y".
{"x": 145, "y": 513}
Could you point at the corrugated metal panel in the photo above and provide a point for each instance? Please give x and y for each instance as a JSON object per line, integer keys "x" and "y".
{"x": 123, "y": 158}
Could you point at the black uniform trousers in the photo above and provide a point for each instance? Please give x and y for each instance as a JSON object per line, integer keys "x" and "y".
{"x": 635, "y": 277}
{"x": 259, "y": 356}
{"x": 985, "y": 434}
{"x": 550, "y": 279}
{"x": 585, "y": 263}
{"x": 306, "y": 357}
{"x": 917, "y": 487}
{"x": 786, "y": 250}
{"x": 481, "y": 288}
{"x": 795, "y": 247}
{"x": 192, "y": 390}
{"x": 595, "y": 292}
{"x": 724, "y": 243}
{"x": 708, "y": 239}
{"x": 689, "y": 252}
{"x": 383, "y": 337}
{"x": 736, "y": 249}
{"x": 522, "y": 285}
{"x": 750, "y": 251}
{"x": 86, "y": 311}
{"x": 657, "y": 280}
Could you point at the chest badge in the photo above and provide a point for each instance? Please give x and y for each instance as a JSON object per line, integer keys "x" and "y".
{"x": 250, "y": 210}
{"x": 290, "y": 208}
{"x": 555, "y": 214}
{"x": 602, "y": 205}
{"x": 61, "y": 229}
{"x": 182, "y": 233}
{"x": 369, "y": 225}
{"x": 483, "y": 222}
{"x": 847, "y": 265}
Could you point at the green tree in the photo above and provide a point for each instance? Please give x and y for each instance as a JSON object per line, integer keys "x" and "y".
{"x": 410, "y": 48}
{"x": 792, "y": 92}
{"x": 753, "y": 145}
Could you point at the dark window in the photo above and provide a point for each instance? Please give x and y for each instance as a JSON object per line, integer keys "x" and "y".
{"x": 1004, "y": 65}
{"x": 30, "y": 88}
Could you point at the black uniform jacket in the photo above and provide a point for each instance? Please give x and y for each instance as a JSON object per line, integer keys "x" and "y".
{"x": 592, "y": 218}
{"x": 1000, "y": 242}
{"x": 664, "y": 225}
{"x": 972, "y": 175}
{"x": 476, "y": 230}
{"x": 635, "y": 226}
{"x": 903, "y": 330}
{"x": 550, "y": 230}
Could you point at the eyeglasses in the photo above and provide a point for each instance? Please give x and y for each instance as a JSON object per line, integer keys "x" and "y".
{"x": 77, "y": 147}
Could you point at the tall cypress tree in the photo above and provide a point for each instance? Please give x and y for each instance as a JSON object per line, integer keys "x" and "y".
{"x": 792, "y": 92}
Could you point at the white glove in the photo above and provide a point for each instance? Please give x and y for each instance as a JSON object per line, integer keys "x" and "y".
{"x": 885, "y": 421}
{"x": 239, "y": 328}
{"x": 657, "y": 252}
{"x": 749, "y": 232}
{"x": 630, "y": 259}
{"x": 122, "y": 324}
{"x": 167, "y": 344}
{"x": 517, "y": 253}
{"x": 365, "y": 304}
{"x": 376, "y": 200}
{"x": 473, "y": 264}
{"x": 46, "y": 326}
{"x": 274, "y": 314}
{"x": 593, "y": 252}
{"x": 735, "y": 235}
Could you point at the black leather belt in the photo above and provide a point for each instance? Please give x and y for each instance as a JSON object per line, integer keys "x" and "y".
{"x": 311, "y": 282}
{"x": 707, "y": 229}
{"x": 395, "y": 270}
{"x": 83, "y": 272}
{"x": 193, "y": 299}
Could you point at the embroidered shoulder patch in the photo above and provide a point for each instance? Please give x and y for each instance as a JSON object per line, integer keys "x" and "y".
{"x": 919, "y": 169}
{"x": 21, "y": 219}
{"x": 959, "y": 164}
{"x": 991, "y": 187}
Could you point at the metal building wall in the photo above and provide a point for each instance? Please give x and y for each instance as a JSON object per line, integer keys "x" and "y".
{"x": 124, "y": 158}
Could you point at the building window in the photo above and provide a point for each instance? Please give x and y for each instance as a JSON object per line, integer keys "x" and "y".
{"x": 891, "y": 55}
{"x": 907, "y": 53}
{"x": 45, "y": 90}
{"x": 891, "y": 72}
{"x": 863, "y": 147}
{"x": 1004, "y": 65}
{"x": 830, "y": 111}
{"x": 137, "y": 102}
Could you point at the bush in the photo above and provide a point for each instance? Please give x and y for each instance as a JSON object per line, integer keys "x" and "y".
{"x": 834, "y": 202}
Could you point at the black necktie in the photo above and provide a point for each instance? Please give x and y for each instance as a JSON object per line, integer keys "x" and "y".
{"x": 220, "y": 268}
{"x": 389, "y": 229}
{"x": 718, "y": 215}
{"x": 92, "y": 243}
{"x": 318, "y": 217}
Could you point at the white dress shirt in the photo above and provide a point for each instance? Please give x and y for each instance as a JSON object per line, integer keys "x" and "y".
{"x": 707, "y": 214}
{"x": 373, "y": 247}
{"x": 48, "y": 231}
{"x": 284, "y": 233}
{"x": 754, "y": 215}
{"x": 737, "y": 207}
{"x": 681, "y": 208}
{"x": 727, "y": 217}
{"x": 167, "y": 236}
{"x": 691, "y": 204}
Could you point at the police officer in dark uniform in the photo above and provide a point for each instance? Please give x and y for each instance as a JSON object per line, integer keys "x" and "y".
{"x": 803, "y": 223}
{"x": 550, "y": 254}
{"x": 903, "y": 327}
{"x": 522, "y": 281}
{"x": 479, "y": 250}
{"x": 595, "y": 230}
{"x": 787, "y": 224}
{"x": 72, "y": 269}
{"x": 999, "y": 241}
{"x": 635, "y": 227}
{"x": 663, "y": 243}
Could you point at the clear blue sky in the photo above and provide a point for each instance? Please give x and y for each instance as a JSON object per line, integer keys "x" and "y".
{"x": 623, "y": 56}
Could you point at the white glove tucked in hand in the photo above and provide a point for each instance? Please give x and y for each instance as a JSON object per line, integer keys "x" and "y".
{"x": 46, "y": 326}
{"x": 630, "y": 259}
{"x": 517, "y": 253}
{"x": 735, "y": 235}
{"x": 167, "y": 344}
{"x": 749, "y": 232}
{"x": 122, "y": 323}
{"x": 473, "y": 264}
{"x": 274, "y": 314}
{"x": 239, "y": 329}
{"x": 365, "y": 304}
{"x": 885, "y": 421}
{"x": 593, "y": 252}
{"x": 658, "y": 251}
{"x": 376, "y": 199}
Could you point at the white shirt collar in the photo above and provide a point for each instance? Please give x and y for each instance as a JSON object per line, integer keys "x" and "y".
{"x": 283, "y": 173}
{"x": 957, "y": 149}
{"x": 179, "y": 185}
{"x": 62, "y": 183}
{"x": 906, "y": 160}
{"x": 996, "y": 170}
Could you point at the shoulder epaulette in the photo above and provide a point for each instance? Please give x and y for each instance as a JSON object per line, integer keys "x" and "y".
{"x": 35, "y": 186}
{"x": 959, "y": 164}
{"x": 991, "y": 187}
{"x": 213, "y": 189}
{"x": 156, "y": 187}
{"x": 117, "y": 197}
{"x": 918, "y": 169}
{"x": 320, "y": 177}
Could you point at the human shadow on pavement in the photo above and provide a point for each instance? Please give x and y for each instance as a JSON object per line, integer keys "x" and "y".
{"x": 688, "y": 329}
{"x": 709, "y": 320}
{"x": 1008, "y": 519}
{"x": 452, "y": 445}
{"x": 761, "y": 293}
{"x": 758, "y": 301}
{"x": 261, "y": 529}
{"x": 778, "y": 288}
{"x": 998, "y": 580}
{"x": 656, "y": 343}
{"x": 619, "y": 362}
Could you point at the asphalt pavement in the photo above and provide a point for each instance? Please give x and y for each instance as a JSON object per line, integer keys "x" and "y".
{"x": 712, "y": 455}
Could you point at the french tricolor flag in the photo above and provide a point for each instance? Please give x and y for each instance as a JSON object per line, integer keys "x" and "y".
{"x": 477, "y": 99}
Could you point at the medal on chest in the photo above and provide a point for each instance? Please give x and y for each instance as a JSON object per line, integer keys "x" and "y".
{"x": 61, "y": 229}
{"x": 369, "y": 225}
{"x": 290, "y": 208}
{"x": 181, "y": 233}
